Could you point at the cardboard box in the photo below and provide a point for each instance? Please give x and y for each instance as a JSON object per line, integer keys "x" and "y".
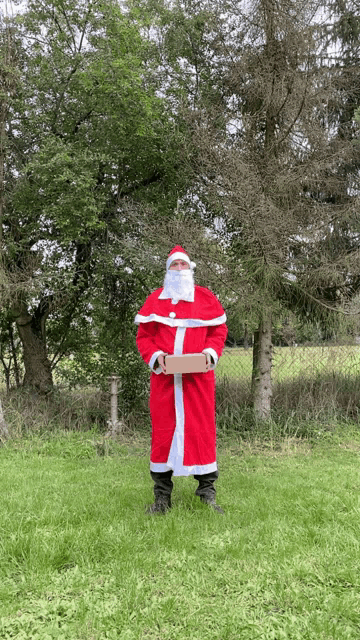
{"x": 186, "y": 363}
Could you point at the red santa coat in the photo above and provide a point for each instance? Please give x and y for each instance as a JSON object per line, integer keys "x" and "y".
{"x": 182, "y": 406}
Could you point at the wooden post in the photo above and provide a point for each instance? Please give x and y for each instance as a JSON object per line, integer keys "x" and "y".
{"x": 114, "y": 424}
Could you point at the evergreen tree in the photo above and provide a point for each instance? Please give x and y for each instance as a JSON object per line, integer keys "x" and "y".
{"x": 270, "y": 169}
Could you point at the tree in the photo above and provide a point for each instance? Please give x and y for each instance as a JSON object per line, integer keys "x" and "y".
{"x": 87, "y": 135}
{"x": 269, "y": 168}
{"x": 7, "y": 90}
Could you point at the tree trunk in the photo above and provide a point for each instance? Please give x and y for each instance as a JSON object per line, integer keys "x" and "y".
{"x": 261, "y": 374}
{"x": 4, "y": 432}
{"x": 31, "y": 330}
{"x": 6, "y": 370}
{"x": 14, "y": 355}
{"x": 246, "y": 336}
{"x": 262, "y": 348}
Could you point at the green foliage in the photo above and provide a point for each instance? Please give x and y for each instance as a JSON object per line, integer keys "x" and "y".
{"x": 66, "y": 194}
{"x": 89, "y": 367}
{"x": 101, "y": 340}
{"x": 91, "y": 151}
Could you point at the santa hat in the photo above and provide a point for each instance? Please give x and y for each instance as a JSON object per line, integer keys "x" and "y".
{"x": 178, "y": 253}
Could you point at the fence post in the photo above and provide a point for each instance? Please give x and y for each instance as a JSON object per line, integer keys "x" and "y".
{"x": 114, "y": 424}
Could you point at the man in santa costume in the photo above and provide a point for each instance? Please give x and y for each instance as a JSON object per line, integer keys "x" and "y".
{"x": 181, "y": 318}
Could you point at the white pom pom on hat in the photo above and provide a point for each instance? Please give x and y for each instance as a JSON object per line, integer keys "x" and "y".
{"x": 178, "y": 253}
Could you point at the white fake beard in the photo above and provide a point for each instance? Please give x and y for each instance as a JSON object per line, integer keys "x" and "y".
{"x": 178, "y": 285}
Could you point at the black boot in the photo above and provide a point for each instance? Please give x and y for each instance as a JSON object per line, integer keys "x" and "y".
{"x": 161, "y": 505}
{"x": 212, "y": 503}
{"x": 163, "y": 486}
{"x": 206, "y": 490}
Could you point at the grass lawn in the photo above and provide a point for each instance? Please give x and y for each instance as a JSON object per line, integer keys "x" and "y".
{"x": 79, "y": 559}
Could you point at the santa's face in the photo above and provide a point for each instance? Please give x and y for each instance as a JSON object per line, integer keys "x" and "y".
{"x": 179, "y": 265}
{"x": 179, "y": 282}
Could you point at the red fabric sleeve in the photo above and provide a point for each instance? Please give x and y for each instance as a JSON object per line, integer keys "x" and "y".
{"x": 215, "y": 338}
{"x": 144, "y": 340}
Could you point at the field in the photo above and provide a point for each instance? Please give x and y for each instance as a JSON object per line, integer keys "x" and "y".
{"x": 292, "y": 362}
{"x": 81, "y": 560}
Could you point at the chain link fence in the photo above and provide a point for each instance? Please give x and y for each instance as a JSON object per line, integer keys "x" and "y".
{"x": 307, "y": 380}
{"x": 289, "y": 363}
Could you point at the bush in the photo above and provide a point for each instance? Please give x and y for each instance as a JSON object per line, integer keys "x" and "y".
{"x": 79, "y": 410}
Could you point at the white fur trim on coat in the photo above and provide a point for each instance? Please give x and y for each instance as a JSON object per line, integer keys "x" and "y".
{"x": 179, "y": 255}
{"x": 180, "y": 322}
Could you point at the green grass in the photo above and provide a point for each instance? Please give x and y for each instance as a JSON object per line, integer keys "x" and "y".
{"x": 292, "y": 362}
{"x": 79, "y": 559}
